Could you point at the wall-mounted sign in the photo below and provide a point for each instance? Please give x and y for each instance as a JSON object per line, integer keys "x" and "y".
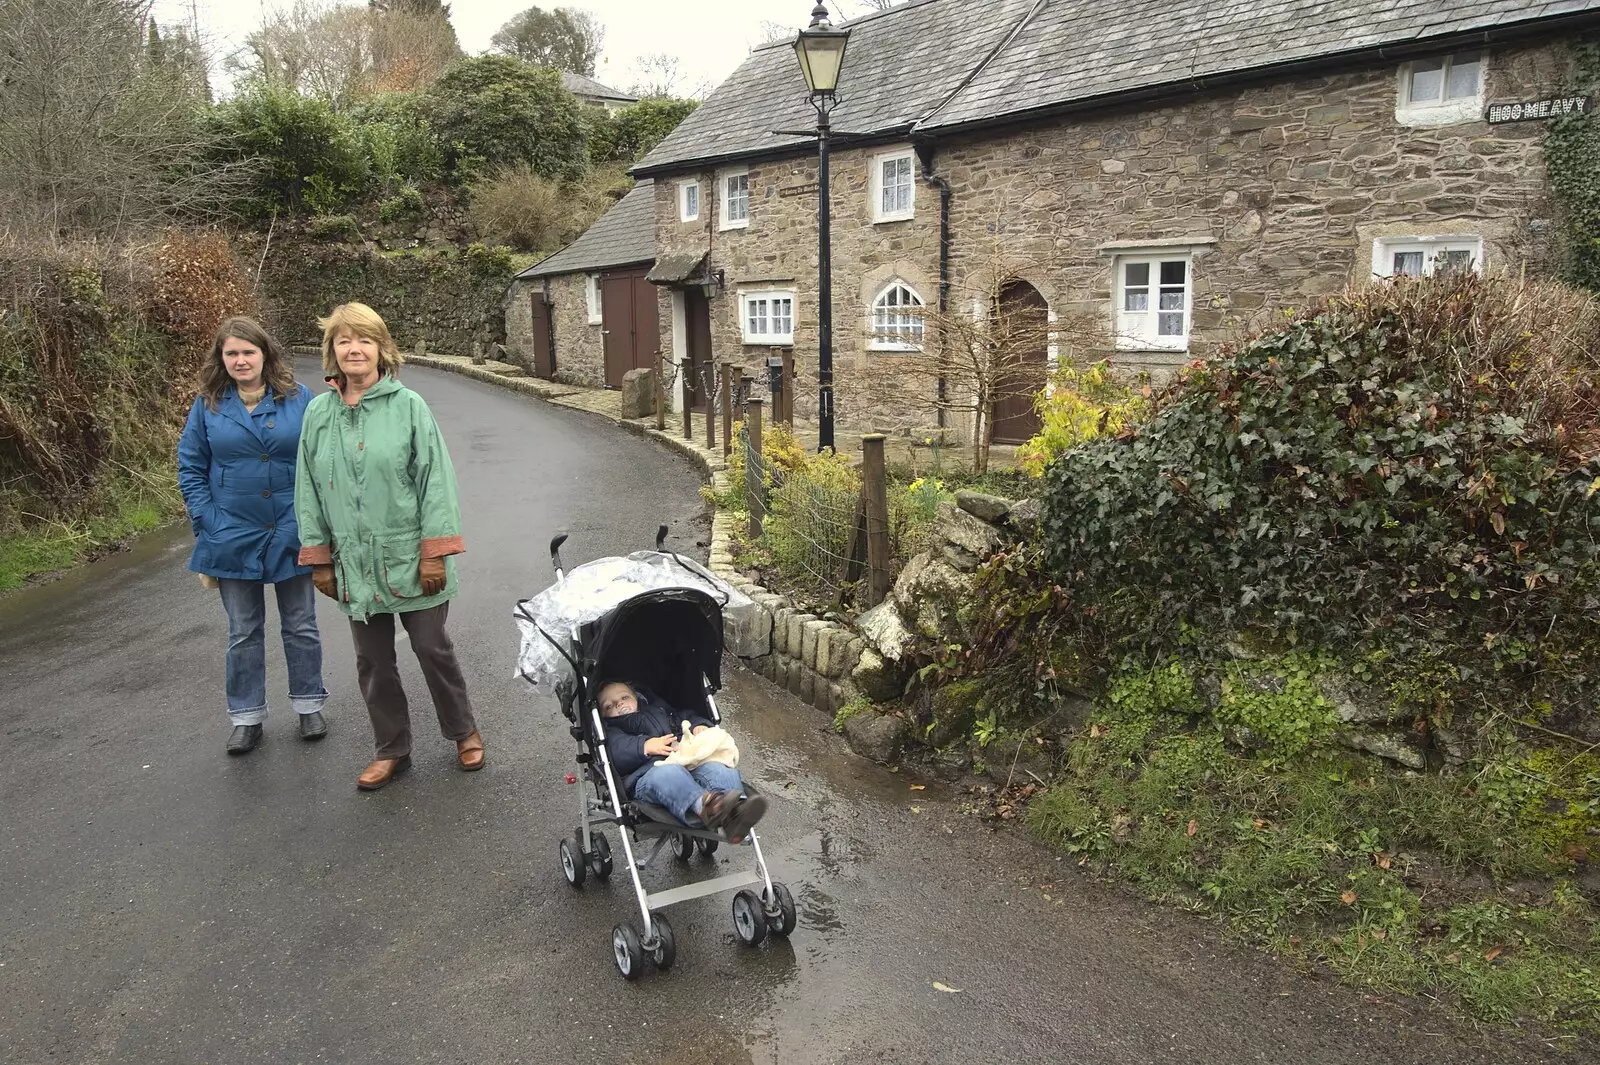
{"x": 1536, "y": 110}
{"x": 801, "y": 190}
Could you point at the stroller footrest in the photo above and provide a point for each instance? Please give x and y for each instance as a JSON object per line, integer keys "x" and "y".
{"x": 705, "y": 887}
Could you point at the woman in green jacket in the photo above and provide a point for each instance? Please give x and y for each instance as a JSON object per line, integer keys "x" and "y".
{"x": 379, "y": 526}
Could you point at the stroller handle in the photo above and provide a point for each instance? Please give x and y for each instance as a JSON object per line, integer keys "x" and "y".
{"x": 555, "y": 552}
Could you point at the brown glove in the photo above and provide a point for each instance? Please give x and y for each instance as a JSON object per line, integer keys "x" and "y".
{"x": 431, "y": 571}
{"x": 322, "y": 577}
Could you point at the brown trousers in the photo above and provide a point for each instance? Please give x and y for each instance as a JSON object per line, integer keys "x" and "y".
{"x": 379, "y": 673}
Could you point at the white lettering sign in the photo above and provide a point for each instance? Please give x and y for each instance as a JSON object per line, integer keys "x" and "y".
{"x": 1534, "y": 110}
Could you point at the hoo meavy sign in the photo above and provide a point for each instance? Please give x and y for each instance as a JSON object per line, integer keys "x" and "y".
{"x": 1536, "y": 110}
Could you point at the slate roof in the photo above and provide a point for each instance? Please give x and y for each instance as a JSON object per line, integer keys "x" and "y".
{"x": 624, "y": 235}
{"x": 899, "y": 65}
{"x": 578, "y": 85}
{"x": 928, "y": 66}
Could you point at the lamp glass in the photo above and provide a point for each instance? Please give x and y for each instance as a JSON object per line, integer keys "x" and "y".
{"x": 821, "y": 55}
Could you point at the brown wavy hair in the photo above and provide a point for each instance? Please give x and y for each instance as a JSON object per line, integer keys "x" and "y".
{"x": 276, "y": 373}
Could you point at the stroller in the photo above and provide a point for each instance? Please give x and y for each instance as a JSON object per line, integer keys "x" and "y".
{"x": 661, "y": 621}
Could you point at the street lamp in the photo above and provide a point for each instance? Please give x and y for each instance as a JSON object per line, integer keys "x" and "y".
{"x": 821, "y": 51}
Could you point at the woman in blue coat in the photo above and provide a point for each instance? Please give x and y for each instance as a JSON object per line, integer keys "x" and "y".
{"x": 236, "y": 467}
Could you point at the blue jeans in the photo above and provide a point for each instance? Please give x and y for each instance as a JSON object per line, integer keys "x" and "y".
{"x": 245, "y": 602}
{"x": 679, "y": 789}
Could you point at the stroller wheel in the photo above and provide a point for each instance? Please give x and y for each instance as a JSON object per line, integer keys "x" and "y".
{"x": 708, "y": 847}
{"x": 599, "y": 856}
{"x": 572, "y": 863}
{"x": 781, "y": 915}
{"x": 683, "y": 846}
{"x": 749, "y": 922}
{"x": 628, "y": 951}
{"x": 665, "y": 951}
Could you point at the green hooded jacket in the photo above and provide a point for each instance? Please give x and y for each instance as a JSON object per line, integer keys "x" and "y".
{"x": 375, "y": 494}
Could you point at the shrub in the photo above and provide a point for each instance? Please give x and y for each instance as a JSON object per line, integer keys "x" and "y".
{"x": 399, "y": 139}
{"x": 334, "y": 227}
{"x": 487, "y": 262}
{"x": 1078, "y": 405}
{"x": 520, "y": 207}
{"x": 298, "y": 145}
{"x": 1408, "y": 468}
{"x": 407, "y": 203}
{"x": 812, "y": 516}
{"x": 494, "y": 111}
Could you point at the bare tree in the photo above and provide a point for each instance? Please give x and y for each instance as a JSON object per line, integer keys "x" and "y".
{"x": 984, "y": 355}
{"x": 98, "y": 137}
{"x": 344, "y": 54}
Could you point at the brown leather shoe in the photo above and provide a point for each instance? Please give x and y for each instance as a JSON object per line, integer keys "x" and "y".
{"x": 469, "y": 752}
{"x": 381, "y": 771}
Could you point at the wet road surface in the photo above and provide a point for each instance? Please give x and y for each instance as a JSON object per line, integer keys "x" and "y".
{"x": 160, "y": 902}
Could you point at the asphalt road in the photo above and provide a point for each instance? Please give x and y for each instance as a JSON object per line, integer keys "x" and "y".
{"x": 161, "y": 902}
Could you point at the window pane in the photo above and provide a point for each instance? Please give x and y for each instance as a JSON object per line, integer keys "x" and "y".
{"x": 1170, "y": 325}
{"x": 1463, "y": 84}
{"x": 1171, "y": 301}
{"x": 783, "y": 317}
{"x": 1136, "y": 274}
{"x": 1136, "y": 299}
{"x": 1407, "y": 263}
{"x": 1427, "y": 80}
{"x": 1452, "y": 260}
{"x": 1172, "y": 272}
{"x": 691, "y": 200}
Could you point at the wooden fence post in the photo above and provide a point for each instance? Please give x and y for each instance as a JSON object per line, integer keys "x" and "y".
{"x": 727, "y": 409}
{"x": 754, "y": 486}
{"x": 875, "y": 500}
{"x": 789, "y": 384}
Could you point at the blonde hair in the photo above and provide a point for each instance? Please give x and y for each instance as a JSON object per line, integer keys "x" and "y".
{"x": 362, "y": 321}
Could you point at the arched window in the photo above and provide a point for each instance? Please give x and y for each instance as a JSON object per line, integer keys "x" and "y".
{"x": 897, "y": 318}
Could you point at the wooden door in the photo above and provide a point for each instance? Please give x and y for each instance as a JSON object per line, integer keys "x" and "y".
{"x": 616, "y": 315}
{"x": 544, "y": 363}
{"x": 631, "y": 321}
{"x": 646, "y": 321}
{"x": 697, "y": 330}
{"x": 1023, "y": 330}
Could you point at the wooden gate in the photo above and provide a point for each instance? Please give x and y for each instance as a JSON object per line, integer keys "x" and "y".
{"x": 1028, "y": 317}
{"x": 544, "y": 362}
{"x": 631, "y": 326}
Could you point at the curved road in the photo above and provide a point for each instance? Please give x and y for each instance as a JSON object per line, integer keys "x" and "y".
{"x": 160, "y": 902}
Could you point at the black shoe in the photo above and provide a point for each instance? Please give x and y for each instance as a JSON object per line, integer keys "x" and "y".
{"x": 744, "y": 817}
{"x": 313, "y": 726}
{"x": 244, "y": 739}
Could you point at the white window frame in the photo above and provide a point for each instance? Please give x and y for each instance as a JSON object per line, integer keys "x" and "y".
{"x": 877, "y": 186}
{"x": 1441, "y": 112}
{"x": 725, "y": 220}
{"x": 883, "y": 341}
{"x": 684, "y": 189}
{"x": 770, "y": 339}
{"x": 1432, "y": 248}
{"x": 591, "y": 292}
{"x": 1138, "y": 330}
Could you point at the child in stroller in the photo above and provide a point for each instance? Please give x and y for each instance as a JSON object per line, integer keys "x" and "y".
{"x": 642, "y": 731}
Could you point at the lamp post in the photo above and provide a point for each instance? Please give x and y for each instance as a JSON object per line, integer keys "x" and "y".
{"x": 821, "y": 51}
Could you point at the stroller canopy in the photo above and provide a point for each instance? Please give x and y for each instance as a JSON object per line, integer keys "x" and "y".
{"x": 614, "y": 591}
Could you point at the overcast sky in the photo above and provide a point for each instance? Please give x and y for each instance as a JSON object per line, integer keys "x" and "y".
{"x": 709, "y": 38}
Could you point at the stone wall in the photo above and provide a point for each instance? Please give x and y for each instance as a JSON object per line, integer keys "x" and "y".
{"x": 1282, "y": 188}
{"x": 430, "y": 296}
{"x": 578, "y": 346}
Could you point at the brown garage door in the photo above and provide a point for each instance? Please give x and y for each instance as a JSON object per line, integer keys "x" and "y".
{"x": 544, "y": 364}
{"x": 632, "y": 322}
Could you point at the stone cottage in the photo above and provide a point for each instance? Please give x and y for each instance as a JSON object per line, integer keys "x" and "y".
{"x": 1159, "y": 180}
{"x": 587, "y": 315}
{"x": 591, "y": 93}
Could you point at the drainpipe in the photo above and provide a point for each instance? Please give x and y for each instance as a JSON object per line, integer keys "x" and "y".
{"x": 925, "y": 156}
{"x": 550, "y": 317}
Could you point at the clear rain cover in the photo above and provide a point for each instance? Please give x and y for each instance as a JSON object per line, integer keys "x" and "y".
{"x": 596, "y": 588}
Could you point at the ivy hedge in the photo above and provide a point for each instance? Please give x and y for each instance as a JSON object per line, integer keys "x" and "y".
{"x": 1406, "y": 476}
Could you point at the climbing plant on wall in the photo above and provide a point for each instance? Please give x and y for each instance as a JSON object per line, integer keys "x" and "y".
{"x": 1572, "y": 152}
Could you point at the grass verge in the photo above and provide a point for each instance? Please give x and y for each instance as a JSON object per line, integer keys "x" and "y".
{"x": 1437, "y": 885}
{"x": 131, "y": 502}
